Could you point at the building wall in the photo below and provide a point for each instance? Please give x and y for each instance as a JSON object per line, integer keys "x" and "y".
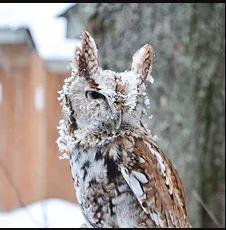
{"x": 29, "y": 112}
{"x": 59, "y": 181}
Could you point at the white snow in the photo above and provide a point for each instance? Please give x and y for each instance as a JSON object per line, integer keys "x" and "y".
{"x": 147, "y": 101}
{"x": 150, "y": 78}
{"x": 64, "y": 141}
{"x": 132, "y": 80}
{"x": 48, "y": 30}
{"x": 59, "y": 213}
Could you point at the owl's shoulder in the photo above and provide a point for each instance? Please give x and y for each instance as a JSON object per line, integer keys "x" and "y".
{"x": 154, "y": 181}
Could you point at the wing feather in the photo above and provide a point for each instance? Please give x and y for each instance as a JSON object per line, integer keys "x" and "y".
{"x": 155, "y": 184}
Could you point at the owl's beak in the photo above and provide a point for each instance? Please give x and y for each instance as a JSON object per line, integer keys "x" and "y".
{"x": 116, "y": 115}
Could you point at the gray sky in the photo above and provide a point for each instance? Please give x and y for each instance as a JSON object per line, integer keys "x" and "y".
{"x": 48, "y": 31}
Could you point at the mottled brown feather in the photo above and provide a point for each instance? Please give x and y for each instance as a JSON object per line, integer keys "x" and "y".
{"x": 157, "y": 198}
{"x": 86, "y": 59}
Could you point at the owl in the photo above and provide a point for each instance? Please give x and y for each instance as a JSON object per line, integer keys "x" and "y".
{"x": 120, "y": 175}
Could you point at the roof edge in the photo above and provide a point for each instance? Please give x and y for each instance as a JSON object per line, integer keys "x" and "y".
{"x": 65, "y": 12}
{"x": 14, "y": 35}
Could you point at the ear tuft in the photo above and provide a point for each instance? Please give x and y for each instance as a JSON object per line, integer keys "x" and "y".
{"x": 90, "y": 53}
{"x": 89, "y": 45}
{"x": 86, "y": 57}
{"x": 142, "y": 61}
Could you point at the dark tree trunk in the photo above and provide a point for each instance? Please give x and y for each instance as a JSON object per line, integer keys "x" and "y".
{"x": 208, "y": 55}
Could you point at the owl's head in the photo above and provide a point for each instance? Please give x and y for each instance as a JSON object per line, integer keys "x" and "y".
{"x": 104, "y": 100}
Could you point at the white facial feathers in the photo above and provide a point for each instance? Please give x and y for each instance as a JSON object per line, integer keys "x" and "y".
{"x": 125, "y": 92}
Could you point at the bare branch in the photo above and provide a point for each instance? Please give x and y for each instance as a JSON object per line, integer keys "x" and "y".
{"x": 211, "y": 215}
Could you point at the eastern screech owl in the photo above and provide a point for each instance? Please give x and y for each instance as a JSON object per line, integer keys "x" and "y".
{"x": 121, "y": 177}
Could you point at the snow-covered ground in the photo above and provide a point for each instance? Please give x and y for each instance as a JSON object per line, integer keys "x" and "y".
{"x": 47, "y": 213}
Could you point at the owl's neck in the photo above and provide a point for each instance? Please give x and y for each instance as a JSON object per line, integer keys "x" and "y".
{"x": 90, "y": 138}
{"x": 69, "y": 139}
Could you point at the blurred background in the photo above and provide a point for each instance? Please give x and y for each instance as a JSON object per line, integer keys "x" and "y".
{"x": 37, "y": 42}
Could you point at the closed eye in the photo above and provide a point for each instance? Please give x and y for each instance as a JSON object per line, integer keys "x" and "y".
{"x": 94, "y": 95}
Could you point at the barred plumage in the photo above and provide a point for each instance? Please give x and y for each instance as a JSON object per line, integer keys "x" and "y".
{"x": 121, "y": 177}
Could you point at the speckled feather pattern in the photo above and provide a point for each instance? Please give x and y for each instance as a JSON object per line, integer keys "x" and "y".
{"x": 121, "y": 177}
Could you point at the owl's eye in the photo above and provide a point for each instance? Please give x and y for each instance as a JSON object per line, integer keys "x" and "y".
{"x": 94, "y": 95}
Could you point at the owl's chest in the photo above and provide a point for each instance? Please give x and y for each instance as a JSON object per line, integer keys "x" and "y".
{"x": 100, "y": 188}
{"x": 93, "y": 170}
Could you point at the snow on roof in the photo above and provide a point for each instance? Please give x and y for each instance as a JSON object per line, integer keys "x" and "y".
{"x": 18, "y": 35}
{"x": 65, "y": 12}
{"x": 47, "y": 30}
